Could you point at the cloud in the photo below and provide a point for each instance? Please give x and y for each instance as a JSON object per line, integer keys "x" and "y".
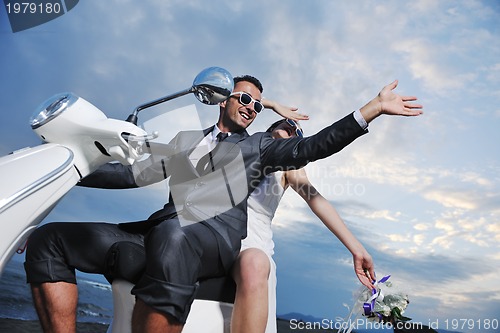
{"x": 442, "y": 280}
{"x": 419, "y": 239}
{"x": 465, "y": 233}
{"x": 476, "y": 178}
{"x": 435, "y": 271}
{"x": 494, "y": 229}
{"x": 421, "y": 226}
{"x": 445, "y": 60}
{"x": 384, "y": 214}
{"x": 398, "y": 238}
{"x": 423, "y": 57}
{"x": 444, "y": 225}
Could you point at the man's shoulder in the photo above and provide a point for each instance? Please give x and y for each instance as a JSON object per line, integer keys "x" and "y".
{"x": 194, "y": 132}
{"x": 256, "y": 138}
{"x": 260, "y": 135}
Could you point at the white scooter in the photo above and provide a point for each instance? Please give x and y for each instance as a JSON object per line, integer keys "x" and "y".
{"x": 78, "y": 138}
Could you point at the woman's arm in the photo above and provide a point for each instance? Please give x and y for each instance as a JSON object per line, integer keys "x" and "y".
{"x": 363, "y": 263}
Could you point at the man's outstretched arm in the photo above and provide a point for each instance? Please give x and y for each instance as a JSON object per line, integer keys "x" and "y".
{"x": 390, "y": 103}
{"x": 297, "y": 152}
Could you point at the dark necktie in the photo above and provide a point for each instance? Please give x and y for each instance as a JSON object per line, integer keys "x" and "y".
{"x": 204, "y": 160}
{"x": 221, "y": 137}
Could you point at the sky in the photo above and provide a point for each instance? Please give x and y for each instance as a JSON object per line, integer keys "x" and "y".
{"x": 422, "y": 194}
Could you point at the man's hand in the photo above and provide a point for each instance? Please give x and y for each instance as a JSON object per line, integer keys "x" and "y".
{"x": 390, "y": 103}
{"x": 393, "y": 104}
{"x": 284, "y": 111}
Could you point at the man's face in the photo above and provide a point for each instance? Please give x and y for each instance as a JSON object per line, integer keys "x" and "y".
{"x": 235, "y": 116}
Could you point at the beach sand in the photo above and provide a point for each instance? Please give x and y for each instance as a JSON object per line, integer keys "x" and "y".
{"x": 33, "y": 326}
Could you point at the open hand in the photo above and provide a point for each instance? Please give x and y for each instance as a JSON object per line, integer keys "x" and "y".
{"x": 394, "y": 104}
{"x": 289, "y": 112}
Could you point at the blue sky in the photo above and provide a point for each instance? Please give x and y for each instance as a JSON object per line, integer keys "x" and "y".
{"x": 421, "y": 193}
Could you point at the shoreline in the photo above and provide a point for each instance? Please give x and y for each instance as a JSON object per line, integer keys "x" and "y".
{"x": 33, "y": 326}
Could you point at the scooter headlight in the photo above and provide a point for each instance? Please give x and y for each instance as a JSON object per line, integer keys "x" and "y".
{"x": 51, "y": 108}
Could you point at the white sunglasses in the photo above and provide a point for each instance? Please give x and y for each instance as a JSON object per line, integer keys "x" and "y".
{"x": 246, "y": 99}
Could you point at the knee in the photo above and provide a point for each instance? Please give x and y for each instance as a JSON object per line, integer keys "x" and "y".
{"x": 44, "y": 259}
{"x": 252, "y": 269}
{"x": 166, "y": 244}
{"x": 168, "y": 235}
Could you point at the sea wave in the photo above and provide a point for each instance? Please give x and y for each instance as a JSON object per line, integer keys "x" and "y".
{"x": 95, "y": 303}
{"x": 93, "y": 313}
{"x": 98, "y": 285}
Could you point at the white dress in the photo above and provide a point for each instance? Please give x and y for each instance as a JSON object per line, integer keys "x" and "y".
{"x": 262, "y": 205}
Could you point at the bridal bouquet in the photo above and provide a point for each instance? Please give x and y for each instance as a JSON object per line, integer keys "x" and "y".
{"x": 385, "y": 303}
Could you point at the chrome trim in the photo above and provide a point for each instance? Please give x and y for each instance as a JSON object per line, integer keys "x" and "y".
{"x": 36, "y": 185}
{"x": 51, "y": 108}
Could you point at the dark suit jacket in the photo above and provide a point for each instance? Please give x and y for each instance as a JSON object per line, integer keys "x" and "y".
{"x": 218, "y": 196}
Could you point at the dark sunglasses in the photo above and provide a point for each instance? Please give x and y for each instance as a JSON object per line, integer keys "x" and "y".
{"x": 298, "y": 130}
{"x": 246, "y": 99}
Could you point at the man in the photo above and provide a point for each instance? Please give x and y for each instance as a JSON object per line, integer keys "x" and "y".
{"x": 211, "y": 190}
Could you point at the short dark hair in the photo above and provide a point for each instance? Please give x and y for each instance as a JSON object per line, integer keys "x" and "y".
{"x": 251, "y": 79}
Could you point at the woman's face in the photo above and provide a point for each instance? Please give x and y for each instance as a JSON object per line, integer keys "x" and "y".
{"x": 284, "y": 131}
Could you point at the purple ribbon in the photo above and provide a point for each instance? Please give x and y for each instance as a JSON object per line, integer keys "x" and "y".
{"x": 369, "y": 306}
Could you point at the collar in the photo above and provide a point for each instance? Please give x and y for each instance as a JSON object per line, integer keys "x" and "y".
{"x": 215, "y": 132}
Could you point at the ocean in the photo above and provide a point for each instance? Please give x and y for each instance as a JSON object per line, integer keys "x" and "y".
{"x": 95, "y": 304}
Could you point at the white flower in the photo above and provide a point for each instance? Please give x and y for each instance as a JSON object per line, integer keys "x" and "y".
{"x": 386, "y": 303}
{"x": 382, "y": 308}
{"x": 397, "y": 301}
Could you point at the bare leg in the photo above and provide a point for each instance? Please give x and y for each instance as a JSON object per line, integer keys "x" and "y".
{"x": 250, "y": 272}
{"x": 55, "y": 304}
{"x": 145, "y": 319}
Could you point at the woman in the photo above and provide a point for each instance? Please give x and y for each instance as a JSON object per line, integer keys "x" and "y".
{"x": 255, "y": 271}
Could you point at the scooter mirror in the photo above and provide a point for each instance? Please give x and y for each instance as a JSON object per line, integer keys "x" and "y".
{"x": 211, "y": 86}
